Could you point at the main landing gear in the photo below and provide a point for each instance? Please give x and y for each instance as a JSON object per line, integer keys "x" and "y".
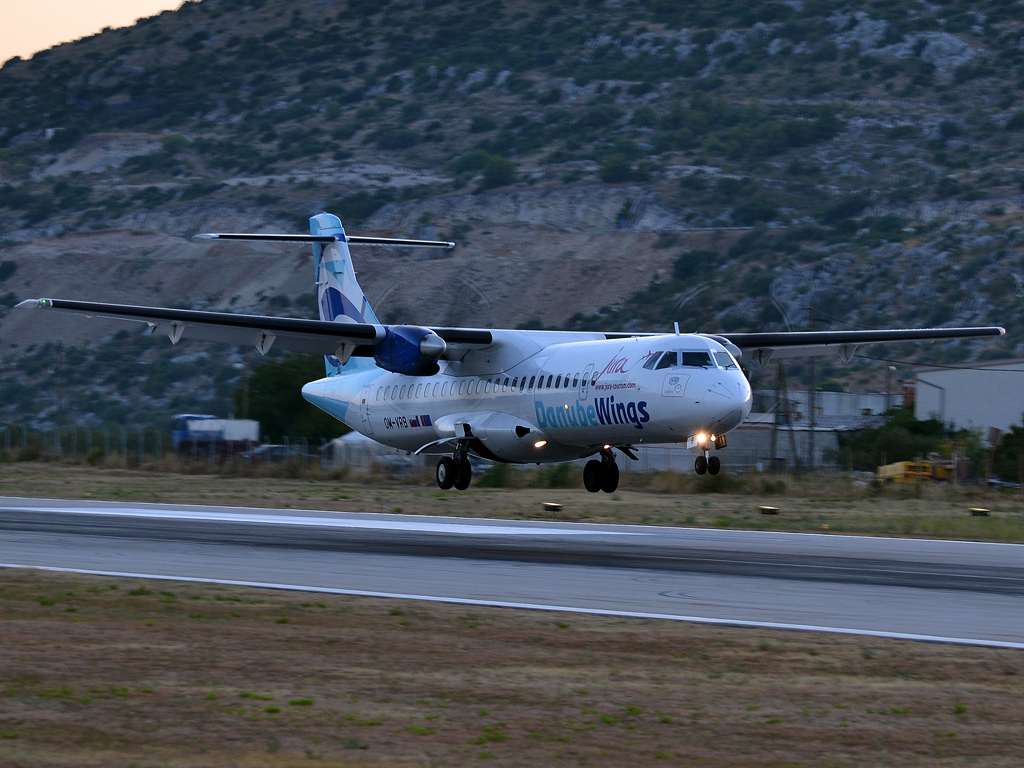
{"x": 454, "y": 471}
{"x": 601, "y": 475}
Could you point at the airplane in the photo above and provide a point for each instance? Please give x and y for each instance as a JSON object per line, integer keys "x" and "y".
{"x": 516, "y": 396}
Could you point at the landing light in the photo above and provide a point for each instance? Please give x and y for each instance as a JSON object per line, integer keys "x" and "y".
{"x": 540, "y": 443}
{"x": 702, "y": 438}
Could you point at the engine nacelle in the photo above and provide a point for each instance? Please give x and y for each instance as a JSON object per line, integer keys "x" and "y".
{"x": 409, "y": 350}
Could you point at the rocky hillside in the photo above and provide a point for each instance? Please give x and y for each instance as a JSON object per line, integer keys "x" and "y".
{"x": 621, "y": 165}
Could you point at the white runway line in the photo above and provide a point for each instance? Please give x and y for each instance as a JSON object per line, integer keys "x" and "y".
{"x": 540, "y": 607}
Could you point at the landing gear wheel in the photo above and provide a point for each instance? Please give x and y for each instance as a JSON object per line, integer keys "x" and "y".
{"x": 610, "y": 477}
{"x": 592, "y": 476}
{"x": 463, "y": 474}
{"x": 714, "y": 465}
{"x": 445, "y": 473}
{"x": 700, "y": 466}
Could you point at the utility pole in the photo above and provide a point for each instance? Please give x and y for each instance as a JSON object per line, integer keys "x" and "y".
{"x": 58, "y": 448}
{"x": 1020, "y": 474}
{"x": 888, "y": 386}
{"x": 783, "y": 414}
{"x": 789, "y": 421}
{"x": 773, "y": 440}
{"x": 245, "y": 385}
{"x": 810, "y": 399}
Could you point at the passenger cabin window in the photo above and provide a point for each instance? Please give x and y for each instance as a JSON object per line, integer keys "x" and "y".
{"x": 436, "y": 385}
{"x": 567, "y": 380}
{"x": 697, "y": 359}
{"x": 558, "y": 381}
{"x": 725, "y": 360}
{"x": 419, "y": 390}
{"x": 576, "y": 380}
{"x": 668, "y": 360}
{"x": 532, "y": 379}
{"x": 379, "y": 390}
{"x": 649, "y": 365}
{"x": 514, "y": 382}
{"x": 444, "y": 389}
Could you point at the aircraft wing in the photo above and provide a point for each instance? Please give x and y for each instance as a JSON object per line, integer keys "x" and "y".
{"x": 344, "y": 339}
{"x": 287, "y": 333}
{"x": 762, "y": 347}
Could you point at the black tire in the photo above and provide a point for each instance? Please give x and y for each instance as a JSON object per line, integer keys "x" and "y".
{"x": 445, "y": 473}
{"x": 610, "y": 477}
{"x": 700, "y": 466}
{"x": 714, "y": 465}
{"x": 592, "y": 476}
{"x": 463, "y": 475}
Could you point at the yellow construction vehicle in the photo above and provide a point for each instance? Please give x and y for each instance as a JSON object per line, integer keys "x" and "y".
{"x": 916, "y": 471}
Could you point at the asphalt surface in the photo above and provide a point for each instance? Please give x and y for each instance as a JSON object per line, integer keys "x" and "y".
{"x": 933, "y": 590}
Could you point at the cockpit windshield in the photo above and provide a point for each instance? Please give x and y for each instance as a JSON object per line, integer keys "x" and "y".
{"x": 697, "y": 359}
{"x": 668, "y": 360}
{"x": 725, "y": 360}
{"x": 660, "y": 361}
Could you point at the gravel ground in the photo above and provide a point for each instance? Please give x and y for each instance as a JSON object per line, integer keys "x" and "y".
{"x": 97, "y": 672}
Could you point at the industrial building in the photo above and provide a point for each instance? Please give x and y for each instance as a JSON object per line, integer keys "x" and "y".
{"x": 973, "y": 395}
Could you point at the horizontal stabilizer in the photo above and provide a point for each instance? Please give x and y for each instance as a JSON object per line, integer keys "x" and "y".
{"x": 350, "y": 239}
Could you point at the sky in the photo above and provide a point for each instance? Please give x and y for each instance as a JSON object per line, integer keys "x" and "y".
{"x": 27, "y": 27}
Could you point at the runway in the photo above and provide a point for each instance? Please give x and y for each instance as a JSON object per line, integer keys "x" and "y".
{"x": 944, "y": 591}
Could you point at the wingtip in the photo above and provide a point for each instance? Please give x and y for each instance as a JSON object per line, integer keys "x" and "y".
{"x": 1002, "y": 331}
{"x": 450, "y": 245}
{"x": 33, "y": 303}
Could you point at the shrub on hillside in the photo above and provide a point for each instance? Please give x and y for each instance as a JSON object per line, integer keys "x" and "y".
{"x": 751, "y": 211}
{"x": 498, "y": 172}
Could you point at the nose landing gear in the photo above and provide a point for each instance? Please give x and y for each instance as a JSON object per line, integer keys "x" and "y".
{"x": 707, "y": 464}
{"x": 601, "y": 475}
{"x": 455, "y": 471}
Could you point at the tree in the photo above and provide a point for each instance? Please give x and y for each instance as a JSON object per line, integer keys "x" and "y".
{"x": 905, "y": 438}
{"x": 1006, "y": 462}
{"x": 275, "y": 399}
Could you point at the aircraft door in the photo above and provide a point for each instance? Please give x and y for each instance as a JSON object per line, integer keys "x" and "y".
{"x": 364, "y": 411}
{"x": 585, "y": 384}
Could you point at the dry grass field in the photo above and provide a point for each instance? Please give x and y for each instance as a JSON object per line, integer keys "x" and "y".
{"x": 806, "y": 504}
{"x": 105, "y": 672}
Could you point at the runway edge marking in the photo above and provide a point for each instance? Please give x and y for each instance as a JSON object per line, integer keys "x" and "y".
{"x": 538, "y": 607}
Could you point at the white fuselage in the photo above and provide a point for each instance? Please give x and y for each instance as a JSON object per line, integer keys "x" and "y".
{"x": 564, "y": 401}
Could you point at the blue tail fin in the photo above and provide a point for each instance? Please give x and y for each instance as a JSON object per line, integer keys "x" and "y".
{"x": 339, "y": 297}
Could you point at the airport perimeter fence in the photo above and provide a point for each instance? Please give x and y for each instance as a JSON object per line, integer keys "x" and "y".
{"x": 22, "y": 443}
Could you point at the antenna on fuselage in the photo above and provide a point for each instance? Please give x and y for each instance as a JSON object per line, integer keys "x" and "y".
{"x": 676, "y": 324}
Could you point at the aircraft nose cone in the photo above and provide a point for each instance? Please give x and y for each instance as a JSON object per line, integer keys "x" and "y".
{"x": 728, "y": 403}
